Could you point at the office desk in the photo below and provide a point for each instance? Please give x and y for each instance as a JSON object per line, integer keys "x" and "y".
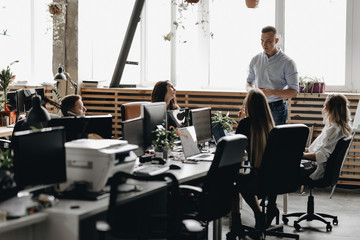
{"x": 21, "y": 228}
{"x": 66, "y": 221}
{"x": 6, "y": 131}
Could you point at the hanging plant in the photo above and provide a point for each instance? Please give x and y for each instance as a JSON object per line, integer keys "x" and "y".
{"x": 57, "y": 12}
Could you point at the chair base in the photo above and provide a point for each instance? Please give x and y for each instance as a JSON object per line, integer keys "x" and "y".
{"x": 272, "y": 231}
{"x": 310, "y": 216}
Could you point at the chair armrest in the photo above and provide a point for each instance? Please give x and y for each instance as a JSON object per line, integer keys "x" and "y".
{"x": 102, "y": 226}
{"x": 5, "y": 141}
{"x": 190, "y": 188}
{"x": 192, "y": 225}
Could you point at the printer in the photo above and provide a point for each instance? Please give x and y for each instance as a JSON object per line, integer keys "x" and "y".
{"x": 96, "y": 160}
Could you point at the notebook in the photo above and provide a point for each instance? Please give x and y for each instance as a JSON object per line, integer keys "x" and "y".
{"x": 189, "y": 144}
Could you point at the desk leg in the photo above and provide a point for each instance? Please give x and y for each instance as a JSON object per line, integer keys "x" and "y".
{"x": 217, "y": 229}
{"x": 285, "y": 198}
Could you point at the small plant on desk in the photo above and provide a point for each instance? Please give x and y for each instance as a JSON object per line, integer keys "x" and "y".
{"x": 165, "y": 139}
{"x": 226, "y": 121}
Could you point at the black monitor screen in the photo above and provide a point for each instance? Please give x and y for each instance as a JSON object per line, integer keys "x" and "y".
{"x": 39, "y": 157}
{"x": 24, "y": 96}
{"x": 132, "y": 131}
{"x": 153, "y": 114}
{"x": 11, "y": 100}
{"x": 80, "y": 127}
{"x": 20, "y": 101}
{"x": 201, "y": 120}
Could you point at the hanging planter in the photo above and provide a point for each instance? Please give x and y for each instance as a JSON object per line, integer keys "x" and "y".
{"x": 192, "y": 1}
{"x": 252, "y": 3}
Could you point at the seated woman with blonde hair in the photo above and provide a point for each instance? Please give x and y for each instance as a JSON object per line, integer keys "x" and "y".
{"x": 337, "y": 118}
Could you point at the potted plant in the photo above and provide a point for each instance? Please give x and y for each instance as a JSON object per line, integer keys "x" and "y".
{"x": 6, "y": 169}
{"x": 6, "y": 77}
{"x": 225, "y": 122}
{"x": 165, "y": 140}
{"x": 311, "y": 84}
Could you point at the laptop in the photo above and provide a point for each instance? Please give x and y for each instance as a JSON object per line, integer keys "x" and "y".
{"x": 189, "y": 145}
{"x": 217, "y": 132}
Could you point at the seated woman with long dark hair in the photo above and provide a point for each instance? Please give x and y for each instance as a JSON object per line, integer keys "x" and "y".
{"x": 164, "y": 91}
{"x": 256, "y": 123}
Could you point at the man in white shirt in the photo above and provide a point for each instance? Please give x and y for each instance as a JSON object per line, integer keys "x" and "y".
{"x": 275, "y": 74}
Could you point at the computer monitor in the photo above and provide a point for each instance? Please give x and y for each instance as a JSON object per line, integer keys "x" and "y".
{"x": 39, "y": 157}
{"x": 200, "y": 118}
{"x": 153, "y": 114}
{"x": 80, "y": 127}
{"x": 11, "y": 100}
{"x": 23, "y": 99}
{"x": 132, "y": 131}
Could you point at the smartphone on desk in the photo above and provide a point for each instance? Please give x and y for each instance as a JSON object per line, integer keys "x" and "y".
{"x": 191, "y": 161}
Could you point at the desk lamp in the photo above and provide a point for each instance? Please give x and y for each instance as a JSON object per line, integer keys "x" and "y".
{"x": 62, "y": 75}
{"x": 37, "y": 113}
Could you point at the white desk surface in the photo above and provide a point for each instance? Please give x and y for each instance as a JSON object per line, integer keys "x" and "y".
{"x": 22, "y": 222}
{"x": 6, "y": 132}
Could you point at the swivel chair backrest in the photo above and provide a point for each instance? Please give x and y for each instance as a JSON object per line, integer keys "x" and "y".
{"x": 131, "y": 110}
{"x": 334, "y": 164}
{"x": 219, "y": 184}
{"x": 280, "y": 168}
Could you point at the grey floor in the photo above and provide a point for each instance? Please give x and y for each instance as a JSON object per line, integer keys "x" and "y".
{"x": 345, "y": 203}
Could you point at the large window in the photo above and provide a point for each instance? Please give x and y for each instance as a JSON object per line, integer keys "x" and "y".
{"x": 317, "y": 40}
{"x": 237, "y": 34}
{"x": 26, "y": 36}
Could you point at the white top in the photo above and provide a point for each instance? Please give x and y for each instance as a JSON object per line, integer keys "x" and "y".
{"x": 323, "y": 146}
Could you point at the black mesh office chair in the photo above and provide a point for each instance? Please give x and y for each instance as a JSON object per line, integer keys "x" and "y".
{"x": 330, "y": 179}
{"x": 279, "y": 172}
{"x": 214, "y": 199}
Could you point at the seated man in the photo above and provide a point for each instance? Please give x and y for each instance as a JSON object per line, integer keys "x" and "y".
{"x": 72, "y": 105}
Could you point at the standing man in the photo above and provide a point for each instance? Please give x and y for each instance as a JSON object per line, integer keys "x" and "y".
{"x": 275, "y": 74}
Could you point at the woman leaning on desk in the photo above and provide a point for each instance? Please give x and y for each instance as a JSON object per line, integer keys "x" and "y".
{"x": 336, "y": 125}
{"x": 164, "y": 91}
{"x": 256, "y": 123}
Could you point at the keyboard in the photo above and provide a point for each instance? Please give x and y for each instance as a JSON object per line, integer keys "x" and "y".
{"x": 150, "y": 170}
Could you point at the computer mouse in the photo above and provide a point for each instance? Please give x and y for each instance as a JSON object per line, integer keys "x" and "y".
{"x": 174, "y": 166}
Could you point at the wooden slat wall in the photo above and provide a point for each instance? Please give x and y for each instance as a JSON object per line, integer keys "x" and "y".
{"x": 303, "y": 109}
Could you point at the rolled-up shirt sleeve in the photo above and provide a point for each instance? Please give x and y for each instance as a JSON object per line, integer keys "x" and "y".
{"x": 291, "y": 75}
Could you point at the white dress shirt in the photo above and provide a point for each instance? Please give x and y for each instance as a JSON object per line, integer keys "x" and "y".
{"x": 323, "y": 146}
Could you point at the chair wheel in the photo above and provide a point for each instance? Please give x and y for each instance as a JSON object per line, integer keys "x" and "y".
{"x": 335, "y": 221}
{"x": 297, "y": 226}
{"x": 285, "y": 220}
{"x": 328, "y": 227}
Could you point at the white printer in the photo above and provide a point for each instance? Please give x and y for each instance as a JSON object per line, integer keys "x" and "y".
{"x": 95, "y": 160}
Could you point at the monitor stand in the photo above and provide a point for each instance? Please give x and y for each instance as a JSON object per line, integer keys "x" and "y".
{"x": 204, "y": 147}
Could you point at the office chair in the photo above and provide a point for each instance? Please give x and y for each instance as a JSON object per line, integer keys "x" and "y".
{"x": 330, "y": 179}
{"x": 154, "y": 216}
{"x": 279, "y": 172}
{"x": 131, "y": 110}
{"x": 214, "y": 199}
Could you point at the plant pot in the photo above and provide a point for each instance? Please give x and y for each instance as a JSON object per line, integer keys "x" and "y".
{"x": 312, "y": 88}
{"x": 7, "y": 118}
{"x": 162, "y": 153}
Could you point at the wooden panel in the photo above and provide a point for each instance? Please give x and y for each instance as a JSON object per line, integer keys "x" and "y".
{"x": 302, "y": 109}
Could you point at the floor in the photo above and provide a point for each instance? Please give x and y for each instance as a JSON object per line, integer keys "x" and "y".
{"x": 345, "y": 203}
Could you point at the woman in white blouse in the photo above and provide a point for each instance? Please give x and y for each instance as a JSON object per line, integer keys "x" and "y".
{"x": 337, "y": 118}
